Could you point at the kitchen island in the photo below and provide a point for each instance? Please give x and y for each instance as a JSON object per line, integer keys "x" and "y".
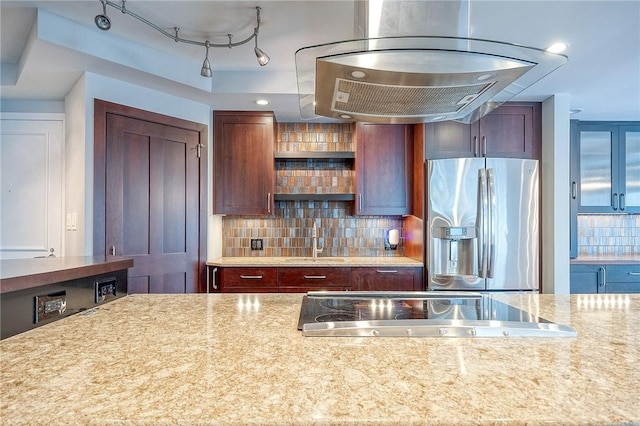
{"x": 239, "y": 359}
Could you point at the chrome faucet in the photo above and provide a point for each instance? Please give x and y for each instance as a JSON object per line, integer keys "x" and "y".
{"x": 314, "y": 235}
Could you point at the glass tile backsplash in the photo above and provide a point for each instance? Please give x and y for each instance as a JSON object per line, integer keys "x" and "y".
{"x": 608, "y": 234}
{"x": 288, "y": 231}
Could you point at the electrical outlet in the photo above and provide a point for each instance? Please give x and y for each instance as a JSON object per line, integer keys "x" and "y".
{"x": 256, "y": 244}
{"x": 51, "y": 305}
{"x": 105, "y": 289}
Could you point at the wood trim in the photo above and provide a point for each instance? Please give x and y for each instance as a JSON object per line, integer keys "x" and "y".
{"x": 100, "y": 110}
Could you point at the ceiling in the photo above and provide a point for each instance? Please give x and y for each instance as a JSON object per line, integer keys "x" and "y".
{"x": 47, "y": 45}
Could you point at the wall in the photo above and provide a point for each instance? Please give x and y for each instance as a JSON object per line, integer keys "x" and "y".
{"x": 288, "y": 231}
{"x": 602, "y": 235}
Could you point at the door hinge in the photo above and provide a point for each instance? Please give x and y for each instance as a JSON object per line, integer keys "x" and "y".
{"x": 199, "y": 150}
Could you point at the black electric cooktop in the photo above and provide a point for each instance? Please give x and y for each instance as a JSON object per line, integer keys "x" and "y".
{"x": 412, "y": 313}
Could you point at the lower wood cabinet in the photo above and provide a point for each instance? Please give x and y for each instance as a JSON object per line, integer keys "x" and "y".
{"x": 298, "y": 280}
{"x": 304, "y": 279}
{"x": 386, "y": 279}
{"x": 605, "y": 278}
{"x": 248, "y": 280}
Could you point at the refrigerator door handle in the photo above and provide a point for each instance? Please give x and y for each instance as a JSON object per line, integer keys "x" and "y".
{"x": 491, "y": 229}
{"x": 482, "y": 223}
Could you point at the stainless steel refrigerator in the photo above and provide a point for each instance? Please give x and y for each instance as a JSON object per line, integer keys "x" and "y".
{"x": 482, "y": 231}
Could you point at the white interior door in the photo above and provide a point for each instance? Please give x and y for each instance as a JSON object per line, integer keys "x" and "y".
{"x": 31, "y": 183}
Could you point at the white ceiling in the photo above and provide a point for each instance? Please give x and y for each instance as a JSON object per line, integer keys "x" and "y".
{"x": 47, "y": 45}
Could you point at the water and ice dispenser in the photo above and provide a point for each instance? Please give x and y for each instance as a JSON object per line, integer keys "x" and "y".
{"x": 454, "y": 250}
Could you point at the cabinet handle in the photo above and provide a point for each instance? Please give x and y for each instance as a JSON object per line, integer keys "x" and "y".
{"x": 251, "y": 277}
{"x": 315, "y": 277}
{"x": 634, "y": 273}
{"x": 213, "y": 279}
{"x": 622, "y": 202}
{"x": 113, "y": 250}
{"x": 387, "y": 271}
{"x": 574, "y": 190}
{"x": 360, "y": 201}
{"x": 604, "y": 276}
{"x": 484, "y": 146}
{"x": 615, "y": 201}
{"x": 475, "y": 146}
{"x": 268, "y": 202}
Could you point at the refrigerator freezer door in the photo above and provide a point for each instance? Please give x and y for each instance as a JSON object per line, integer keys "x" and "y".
{"x": 514, "y": 240}
{"x": 452, "y": 229}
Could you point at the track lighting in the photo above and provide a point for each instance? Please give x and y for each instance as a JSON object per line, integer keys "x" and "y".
{"x": 104, "y": 23}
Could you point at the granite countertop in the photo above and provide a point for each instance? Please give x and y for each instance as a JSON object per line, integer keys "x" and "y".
{"x": 620, "y": 259}
{"x": 390, "y": 261}
{"x": 239, "y": 359}
{"x": 19, "y": 274}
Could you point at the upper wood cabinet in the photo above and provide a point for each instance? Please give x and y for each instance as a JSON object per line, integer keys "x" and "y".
{"x": 384, "y": 169}
{"x": 243, "y": 164}
{"x": 512, "y": 130}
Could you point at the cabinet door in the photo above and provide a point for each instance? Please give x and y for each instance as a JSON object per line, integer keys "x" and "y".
{"x": 301, "y": 280}
{"x": 384, "y": 169}
{"x": 386, "y": 279}
{"x": 244, "y": 177}
{"x": 249, "y": 280}
{"x": 450, "y": 139}
{"x": 509, "y": 132}
{"x": 597, "y": 183}
{"x": 623, "y": 279}
{"x": 587, "y": 279}
{"x": 629, "y": 168}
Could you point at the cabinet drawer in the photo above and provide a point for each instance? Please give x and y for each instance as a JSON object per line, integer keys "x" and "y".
{"x": 623, "y": 273}
{"x": 309, "y": 279}
{"x": 386, "y": 279}
{"x": 245, "y": 280}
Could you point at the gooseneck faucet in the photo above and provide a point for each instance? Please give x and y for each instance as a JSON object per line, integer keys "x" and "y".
{"x": 314, "y": 235}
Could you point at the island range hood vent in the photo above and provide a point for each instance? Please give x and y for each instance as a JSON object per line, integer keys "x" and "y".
{"x": 414, "y": 79}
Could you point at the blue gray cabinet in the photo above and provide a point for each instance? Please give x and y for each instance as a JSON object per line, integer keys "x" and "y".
{"x": 623, "y": 278}
{"x": 605, "y": 170}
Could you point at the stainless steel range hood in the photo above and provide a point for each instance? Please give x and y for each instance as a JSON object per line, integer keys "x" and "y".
{"x": 415, "y": 78}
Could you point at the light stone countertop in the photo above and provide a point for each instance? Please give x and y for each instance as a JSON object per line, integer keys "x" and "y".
{"x": 386, "y": 261}
{"x": 239, "y": 359}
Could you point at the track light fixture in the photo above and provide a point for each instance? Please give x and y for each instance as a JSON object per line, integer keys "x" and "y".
{"x": 104, "y": 23}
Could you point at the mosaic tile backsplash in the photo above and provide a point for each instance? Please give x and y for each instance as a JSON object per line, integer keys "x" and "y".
{"x": 608, "y": 234}
{"x": 288, "y": 231}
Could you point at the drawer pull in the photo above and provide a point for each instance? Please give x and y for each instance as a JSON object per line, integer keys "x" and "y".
{"x": 251, "y": 277}
{"x": 388, "y": 271}
{"x": 315, "y": 277}
{"x": 634, "y": 273}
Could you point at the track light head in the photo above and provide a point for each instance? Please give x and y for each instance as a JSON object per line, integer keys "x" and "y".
{"x": 206, "y": 65}
{"x": 263, "y": 58}
{"x": 102, "y": 21}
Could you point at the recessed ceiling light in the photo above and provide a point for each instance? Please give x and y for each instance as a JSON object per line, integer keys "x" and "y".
{"x": 345, "y": 116}
{"x": 262, "y": 102}
{"x": 575, "y": 111}
{"x": 557, "y": 47}
{"x": 358, "y": 74}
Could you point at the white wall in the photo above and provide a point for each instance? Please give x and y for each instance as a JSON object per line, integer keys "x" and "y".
{"x": 555, "y": 194}
{"x": 79, "y": 119}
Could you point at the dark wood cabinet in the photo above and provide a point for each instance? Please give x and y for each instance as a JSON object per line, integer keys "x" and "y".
{"x": 298, "y": 280}
{"x": 513, "y": 130}
{"x": 386, "y": 279}
{"x": 384, "y": 169}
{"x": 243, "y": 163}
{"x": 249, "y": 280}
{"x": 621, "y": 278}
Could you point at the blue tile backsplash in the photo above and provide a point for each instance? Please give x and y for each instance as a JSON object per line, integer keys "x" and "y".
{"x": 600, "y": 234}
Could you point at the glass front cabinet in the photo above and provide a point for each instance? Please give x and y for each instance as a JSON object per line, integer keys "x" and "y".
{"x": 605, "y": 169}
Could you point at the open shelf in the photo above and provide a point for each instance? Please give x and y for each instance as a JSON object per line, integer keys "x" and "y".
{"x": 314, "y": 197}
{"x": 328, "y": 155}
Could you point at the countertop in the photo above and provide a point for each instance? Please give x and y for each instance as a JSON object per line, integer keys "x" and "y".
{"x": 239, "y": 359}
{"x": 19, "y": 274}
{"x": 628, "y": 259}
{"x": 383, "y": 261}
